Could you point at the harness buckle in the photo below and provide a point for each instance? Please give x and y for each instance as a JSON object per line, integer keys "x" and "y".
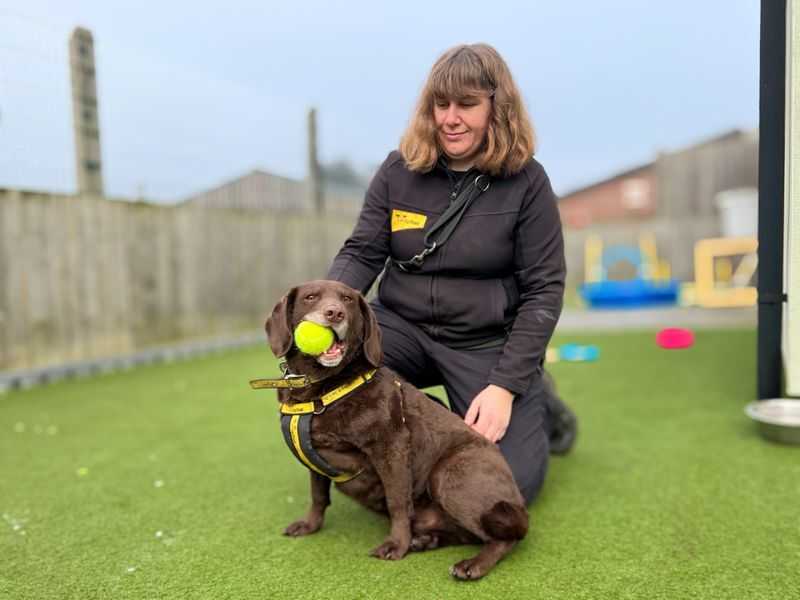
{"x": 284, "y": 367}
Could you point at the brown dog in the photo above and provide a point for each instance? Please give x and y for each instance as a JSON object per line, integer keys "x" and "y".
{"x": 439, "y": 481}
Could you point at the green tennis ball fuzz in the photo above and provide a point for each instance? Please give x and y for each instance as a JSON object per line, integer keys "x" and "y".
{"x": 312, "y": 339}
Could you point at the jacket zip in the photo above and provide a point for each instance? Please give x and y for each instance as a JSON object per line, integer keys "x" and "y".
{"x": 434, "y": 316}
{"x": 455, "y": 188}
{"x": 441, "y": 260}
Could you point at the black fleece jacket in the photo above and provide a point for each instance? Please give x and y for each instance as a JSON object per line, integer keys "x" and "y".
{"x": 500, "y": 276}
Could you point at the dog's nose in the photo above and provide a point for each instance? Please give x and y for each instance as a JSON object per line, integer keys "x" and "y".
{"x": 334, "y": 313}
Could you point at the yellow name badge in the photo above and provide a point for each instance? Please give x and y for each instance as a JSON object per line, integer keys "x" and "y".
{"x": 407, "y": 220}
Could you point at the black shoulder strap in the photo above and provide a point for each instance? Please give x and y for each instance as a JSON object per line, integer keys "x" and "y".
{"x": 444, "y": 226}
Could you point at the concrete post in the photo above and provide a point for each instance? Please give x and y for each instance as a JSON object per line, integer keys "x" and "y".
{"x": 86, "y": 127}
{"x": 314, "y": 171}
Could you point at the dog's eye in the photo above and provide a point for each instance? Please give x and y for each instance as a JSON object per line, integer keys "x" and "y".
{"x": 347, "y": 299}
{"x": 311, "y": 297}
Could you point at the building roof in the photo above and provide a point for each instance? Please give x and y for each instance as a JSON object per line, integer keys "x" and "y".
{"x": 722, "y": 137}
{"x": 623, "y": 175}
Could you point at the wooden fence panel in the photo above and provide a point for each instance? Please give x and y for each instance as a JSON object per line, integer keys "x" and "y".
{"x": 86, "y": 277}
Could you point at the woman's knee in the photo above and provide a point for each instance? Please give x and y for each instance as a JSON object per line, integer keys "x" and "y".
{"x": 525, "y": 447}
{"x": 529, "y": 467}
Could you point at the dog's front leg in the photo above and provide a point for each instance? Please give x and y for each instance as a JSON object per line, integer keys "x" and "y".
{"x": 391, "y": 461}
{"x": 320, "y": 500}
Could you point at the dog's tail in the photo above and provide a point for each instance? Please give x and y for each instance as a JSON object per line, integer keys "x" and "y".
{"x": 505, "y": 521}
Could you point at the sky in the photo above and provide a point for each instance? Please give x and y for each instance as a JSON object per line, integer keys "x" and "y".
{"x": 192, "y": 94}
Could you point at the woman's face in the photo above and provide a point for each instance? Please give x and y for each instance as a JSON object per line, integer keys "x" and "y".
{"x": 461, "y": 127}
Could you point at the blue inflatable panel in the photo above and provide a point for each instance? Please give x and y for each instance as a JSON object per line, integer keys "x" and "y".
{"x": 632, "y": 293}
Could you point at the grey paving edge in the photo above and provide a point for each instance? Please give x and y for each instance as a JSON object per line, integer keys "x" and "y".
{"x": 28, "y": 378}
{"x": 657, "y": 318}
{"x": 571, "y": 321}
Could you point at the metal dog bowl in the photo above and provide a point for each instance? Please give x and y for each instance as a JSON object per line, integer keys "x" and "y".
{"x": 778, "y": 419}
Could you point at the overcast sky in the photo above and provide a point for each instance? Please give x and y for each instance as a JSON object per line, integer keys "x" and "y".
{"x": 193, "y": 93}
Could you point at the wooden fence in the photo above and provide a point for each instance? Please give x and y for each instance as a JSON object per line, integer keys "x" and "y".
{"x": 87, "y": 277}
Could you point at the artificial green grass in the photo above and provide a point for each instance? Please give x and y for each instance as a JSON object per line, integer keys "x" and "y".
{"x": 670, "y": 492}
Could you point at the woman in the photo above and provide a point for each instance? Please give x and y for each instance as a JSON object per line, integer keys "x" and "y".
{"x": 474, "y": 312}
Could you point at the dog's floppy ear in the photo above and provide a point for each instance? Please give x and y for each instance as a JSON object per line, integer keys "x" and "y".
{"x": 372, "y": 334}
{"x": 279, "y": 327}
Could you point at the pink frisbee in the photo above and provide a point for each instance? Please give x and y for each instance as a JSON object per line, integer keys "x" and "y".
{"x": 674, "y": 338}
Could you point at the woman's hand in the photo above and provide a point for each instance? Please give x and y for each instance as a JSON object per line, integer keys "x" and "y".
{"x": 490, "y": 412}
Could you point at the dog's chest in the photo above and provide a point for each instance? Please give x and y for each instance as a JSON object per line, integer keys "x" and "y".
{"x": 334, "y": 447}
{"x": 332, "y": 462}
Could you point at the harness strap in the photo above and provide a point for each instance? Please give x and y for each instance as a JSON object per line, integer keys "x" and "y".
{"x": 296, "y": 421}
{"x": 301, "y": 408}
{"x": 292, "y": 382}
{"x": 297, "y": 434}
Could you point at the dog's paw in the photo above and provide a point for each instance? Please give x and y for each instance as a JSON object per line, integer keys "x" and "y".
{"x": 467, "y": 570}
{"x": 301, "y": 527}
{"x": 390, "y": 550}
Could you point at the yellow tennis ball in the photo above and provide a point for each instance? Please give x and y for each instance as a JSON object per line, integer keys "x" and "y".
{"x": 312, "y": 339}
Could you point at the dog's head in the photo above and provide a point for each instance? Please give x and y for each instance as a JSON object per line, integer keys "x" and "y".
{"x": 332, "y": 304}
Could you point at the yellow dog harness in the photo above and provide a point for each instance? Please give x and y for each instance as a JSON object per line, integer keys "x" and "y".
{"x": 296, "y": 420}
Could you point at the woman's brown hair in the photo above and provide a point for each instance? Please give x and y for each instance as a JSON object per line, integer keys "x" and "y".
{"x": 460, "y": 72}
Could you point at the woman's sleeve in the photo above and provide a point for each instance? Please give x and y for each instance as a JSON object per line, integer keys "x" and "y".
{"x": 364, "y": 253}
{"x": 539, "y": 270}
